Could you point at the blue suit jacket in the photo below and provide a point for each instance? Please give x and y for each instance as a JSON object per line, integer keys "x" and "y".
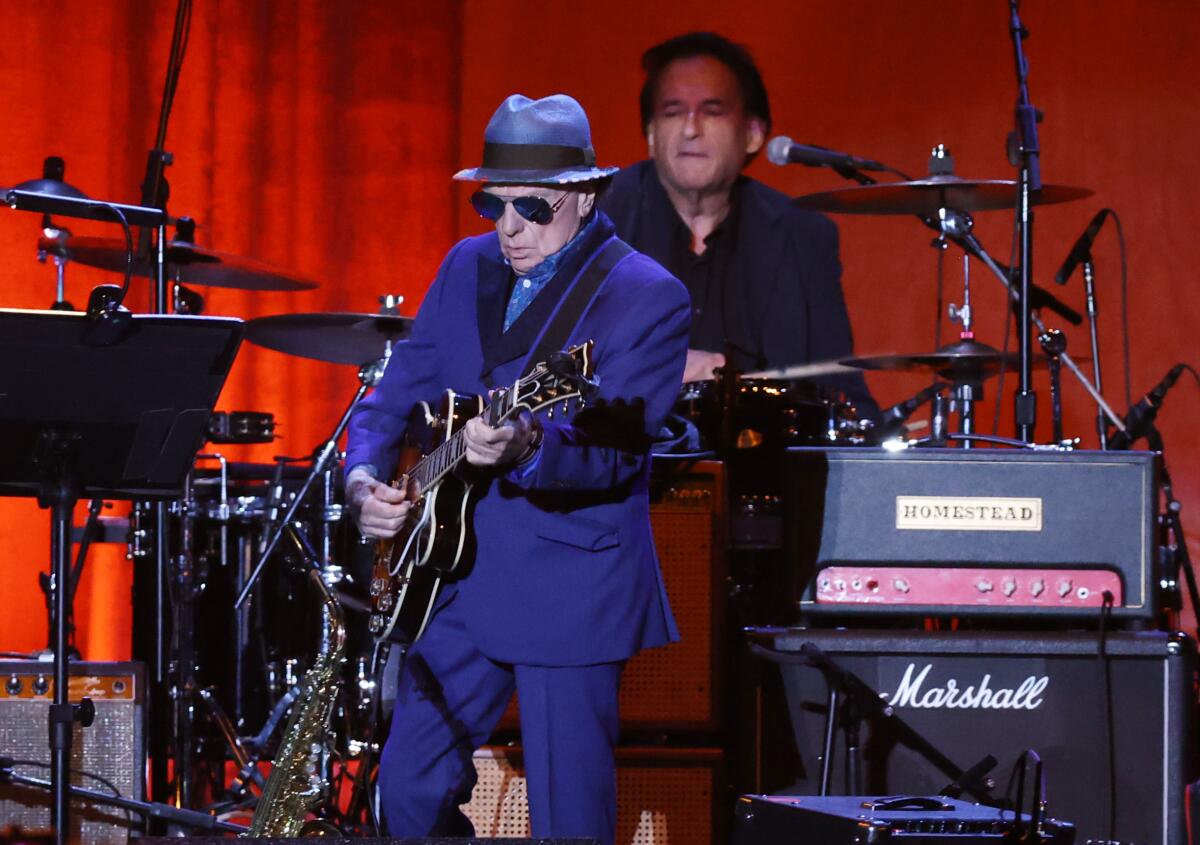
{"x": 786, "y": 304}
{"x": 566, "y": 572}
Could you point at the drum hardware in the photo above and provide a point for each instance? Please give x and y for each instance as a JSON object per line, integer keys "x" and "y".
{"x": 55, "y": 237}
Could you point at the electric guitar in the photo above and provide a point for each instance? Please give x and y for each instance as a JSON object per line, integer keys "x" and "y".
{"x": 436, "y": 538}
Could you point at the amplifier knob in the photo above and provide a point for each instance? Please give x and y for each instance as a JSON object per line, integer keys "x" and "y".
{"x": 1009, "y": 586}
{"x": 1064, "y": 587}
{"x": 41, "y": 686}
{"x": 839, "y": 585}
{"x": 901, "y": 585}
{"x": 983, "y": 585}
{"x": 824, "y": 584}
{"x": 1037, "y": 587}
{"x": 13, "y": 687}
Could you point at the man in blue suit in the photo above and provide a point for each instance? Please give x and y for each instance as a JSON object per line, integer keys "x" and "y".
{"x": 564, "y": 586}
{"x": 764, "y": 276}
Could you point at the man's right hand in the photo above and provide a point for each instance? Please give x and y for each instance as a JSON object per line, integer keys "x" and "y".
{"x": 380, "y": 509}
{"x": 700, "y": 365}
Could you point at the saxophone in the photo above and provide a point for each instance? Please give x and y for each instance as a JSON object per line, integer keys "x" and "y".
{"x": 296, "y": 782}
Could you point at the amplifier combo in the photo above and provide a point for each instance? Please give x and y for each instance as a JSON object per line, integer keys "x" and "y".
{"x": 973, "y": 532}
{"x": 108, "y": 755}
{"x": 969, "y": 694}
{"x": 903, "y": 820}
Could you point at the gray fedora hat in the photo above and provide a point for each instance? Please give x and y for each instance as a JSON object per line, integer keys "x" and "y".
{"x": 538, "y": 142}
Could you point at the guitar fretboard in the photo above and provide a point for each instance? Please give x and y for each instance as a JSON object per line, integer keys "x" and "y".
{"x": 433, "y": 467}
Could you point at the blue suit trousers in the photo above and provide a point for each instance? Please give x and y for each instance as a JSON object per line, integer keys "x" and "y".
{"x": 449, "y": 700}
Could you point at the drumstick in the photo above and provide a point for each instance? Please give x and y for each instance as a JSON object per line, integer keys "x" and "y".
{"x": 798, "y": 371}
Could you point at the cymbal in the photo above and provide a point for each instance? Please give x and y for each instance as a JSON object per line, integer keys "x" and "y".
{"x": 191, "y": 264}
{"x": 961, "y": 361}
{"x": 53, "y": 187}
{"x": 333, "y": 337}
{"x": 926, "y": 196}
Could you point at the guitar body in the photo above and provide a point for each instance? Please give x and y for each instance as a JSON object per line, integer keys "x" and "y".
{"x": 409, "y": 567}
{"x": 436, "y": 540}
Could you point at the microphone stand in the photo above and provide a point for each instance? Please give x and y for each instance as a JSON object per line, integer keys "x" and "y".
{"x": 1089, "y": 286}
{"x": 369, "y": 375}
{"x": 1026, "y": 142}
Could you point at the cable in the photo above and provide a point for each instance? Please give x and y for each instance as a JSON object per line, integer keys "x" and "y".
{"x": 108, "y": 784}
{"x": 1110, "y": 728}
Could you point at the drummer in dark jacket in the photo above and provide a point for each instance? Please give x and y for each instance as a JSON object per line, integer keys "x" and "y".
{"x": 764, "y": 277}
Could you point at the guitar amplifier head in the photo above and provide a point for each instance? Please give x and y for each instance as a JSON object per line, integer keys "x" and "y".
{"x": 973, "y": 532}
{"x": 109, "y": 755}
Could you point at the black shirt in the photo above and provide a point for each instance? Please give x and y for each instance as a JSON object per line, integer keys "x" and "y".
{"x": 705, "y": 276}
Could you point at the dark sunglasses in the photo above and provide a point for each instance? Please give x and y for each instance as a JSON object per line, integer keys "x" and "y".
{"x": 534, "y": 209}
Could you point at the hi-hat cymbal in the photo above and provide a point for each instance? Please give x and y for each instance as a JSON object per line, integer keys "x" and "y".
{"x": 333, "y": 337}
{"x": 966, "y": 360}
{"x": 926, "y": 196}
{"x": 190, "y": 264}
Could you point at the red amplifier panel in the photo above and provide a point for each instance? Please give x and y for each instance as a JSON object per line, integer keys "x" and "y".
{"x": 967, "y": 585}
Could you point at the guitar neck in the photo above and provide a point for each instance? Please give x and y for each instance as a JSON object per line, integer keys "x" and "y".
{"x": 433, "y": 467}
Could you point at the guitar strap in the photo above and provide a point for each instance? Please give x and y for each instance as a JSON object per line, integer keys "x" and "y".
{"x": 556, "y": 334}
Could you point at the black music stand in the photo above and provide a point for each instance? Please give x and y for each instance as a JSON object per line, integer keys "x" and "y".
{"x": 117, "y": 421}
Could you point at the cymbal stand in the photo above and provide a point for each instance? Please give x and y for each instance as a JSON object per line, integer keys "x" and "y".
{"x": 957, "y": 226}
{"x": 1054, "y": 344}
{"x": 967, "y": 390}
{"x": 369, "y": 375}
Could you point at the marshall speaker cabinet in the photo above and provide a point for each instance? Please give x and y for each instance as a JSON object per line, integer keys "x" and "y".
{"x": 972, "y": 694}
{"x": 973, "y": 532}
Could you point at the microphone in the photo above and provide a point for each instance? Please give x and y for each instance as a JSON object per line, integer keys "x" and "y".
{"x": 891, "y": 420}
{"x": 783, "y": 150}
{"x": 1082, "y": 249}
{"x": 1140, "y": 418}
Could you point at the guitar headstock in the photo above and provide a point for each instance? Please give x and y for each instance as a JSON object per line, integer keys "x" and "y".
{"x": 561, "y": 377}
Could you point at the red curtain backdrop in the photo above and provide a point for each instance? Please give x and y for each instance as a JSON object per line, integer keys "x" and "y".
{"x": 321, "y": 137}
{"x": 312, "y": 135}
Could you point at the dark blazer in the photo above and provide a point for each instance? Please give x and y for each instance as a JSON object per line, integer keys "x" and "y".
{"x": 786, "y": 304}
{"x": 566, "y": 572}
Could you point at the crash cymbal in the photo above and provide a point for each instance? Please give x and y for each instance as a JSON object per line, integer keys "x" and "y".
{"x": 189, "y": 264}
{"x": 334, "y": 337}
{"x": 965, "y": 360}
{"x": 926, "y": 196}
